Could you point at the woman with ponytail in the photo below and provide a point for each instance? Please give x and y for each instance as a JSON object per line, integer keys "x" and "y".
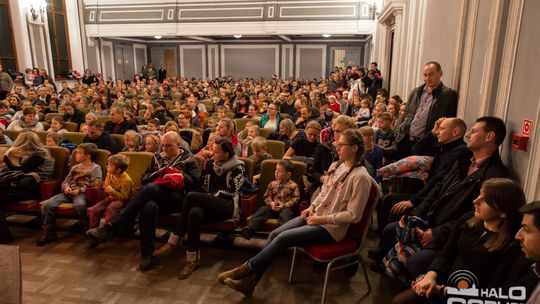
{"x": 340, "y": 202}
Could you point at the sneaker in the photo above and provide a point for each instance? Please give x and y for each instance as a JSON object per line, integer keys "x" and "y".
{"x": 100, "y": 235}
{"x": 188, "y": 269}
{"x": 147, "y": 262}
{"x": 247, "y": 232}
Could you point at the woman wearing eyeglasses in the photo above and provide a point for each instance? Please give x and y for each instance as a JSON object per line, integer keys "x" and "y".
{"x": 340, "y": 202}
{"x": 271, "y": 118}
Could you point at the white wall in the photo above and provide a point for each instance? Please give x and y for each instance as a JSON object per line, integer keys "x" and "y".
{"x": 489, "y": 53}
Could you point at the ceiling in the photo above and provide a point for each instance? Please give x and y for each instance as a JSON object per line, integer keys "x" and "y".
{"x": 258, "y": 38}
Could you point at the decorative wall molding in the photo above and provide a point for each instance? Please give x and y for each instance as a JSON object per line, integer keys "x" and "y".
{"x": 111, "y": 56}
{"x": 135, "y": 63}
{"x": 511, "y": 40}
{"x": 468, "y": 54}
{"x": 488, "y": 74}
{"x": 456, "y": 81}
{"x": 300, "y": 47}
{"x": 202, "y": 48}
{"x": 325, "y": 11}
{"x": 308, "y": 27}
{"x": 213, "y": 61}
{"x": 287, "y": 61}
{"x": 274, "y": 47}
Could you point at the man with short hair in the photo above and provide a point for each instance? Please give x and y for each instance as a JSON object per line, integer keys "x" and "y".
{"x": 103, "y": 140}
{"x": 529, "y": 237}
{"x": 6, "y": 83}
{"x": 453, "y": 195}
{"x": 445, "y": 143}
{"x": 118, "y": 124}
{"x": 286, "y": 103}
{"x": 425, "y": 105}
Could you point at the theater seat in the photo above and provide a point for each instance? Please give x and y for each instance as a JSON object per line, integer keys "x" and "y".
{"x": 119, "y": 140}
{"x": 74, "y": 137}
{"x": 346, "y": 252}
{"x": 268, "y": 167}
{"x": 138, "y": 163}
{"x": 71, "y": 126}
{"x": 11, "y": 134}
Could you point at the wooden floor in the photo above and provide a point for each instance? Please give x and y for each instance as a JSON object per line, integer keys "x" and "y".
{"x": 69, "y": 272}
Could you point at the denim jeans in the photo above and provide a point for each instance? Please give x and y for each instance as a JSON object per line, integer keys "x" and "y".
{"x": 295, "y": 232}
{"x": 48, "y": 210}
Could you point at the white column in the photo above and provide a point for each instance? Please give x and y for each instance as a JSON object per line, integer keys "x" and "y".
{"x": 20, "y": 34}
{"x": 74, "y": 30}
{"x": 397, "y": 54}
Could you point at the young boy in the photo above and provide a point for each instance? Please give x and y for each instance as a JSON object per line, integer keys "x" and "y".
{"x": 373, "y": 152}
{"x": 53, "y": 139}
{"x": 258, "y": 149}
{"x": 118, "y": 186}
{"x": 86, "y": 173}
{"x": 280, "y": 198}
{"x": 385, "y": 137}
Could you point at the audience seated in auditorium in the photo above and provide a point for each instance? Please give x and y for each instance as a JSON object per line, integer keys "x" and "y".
{"x": 85, "y": 174}
{"x": 155, "y": 197}
{"x": 326, "y": 221}
{"x": 482, "y": 242}
{"x": 219, "y": 201}
{"x": 281, "y": 199}
{"x": 117, "y": 187}
{"x": 452, "y": 197}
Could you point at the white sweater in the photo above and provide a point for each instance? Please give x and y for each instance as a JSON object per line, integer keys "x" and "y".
{"x": 343, "y": 202}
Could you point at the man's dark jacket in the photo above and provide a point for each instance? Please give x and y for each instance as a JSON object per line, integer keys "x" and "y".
{"x": 445, "y": 102}
{"x": 453, "y": 196}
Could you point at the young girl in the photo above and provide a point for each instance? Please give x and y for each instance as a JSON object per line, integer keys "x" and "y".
{"x": 364, "y": 113}
{"x": 151, "y": 143}
{"x": 57, "y": 125}
{"x": 379, "y": 109}
{"x": 207, "y": 152}
{"x": 252, "y": 132}
{"x": 117, "y": 186}
{"x": 132, "y": 141}
{"x": 341, "y": 201}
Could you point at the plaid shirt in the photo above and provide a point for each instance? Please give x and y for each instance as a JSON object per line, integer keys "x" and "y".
{"x": 286, "y": 193}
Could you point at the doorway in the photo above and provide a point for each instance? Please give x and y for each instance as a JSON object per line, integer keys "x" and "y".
{"x": 124, "y": 62}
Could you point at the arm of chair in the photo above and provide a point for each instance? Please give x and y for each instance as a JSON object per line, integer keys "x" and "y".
{"x": 49, "y": 188}
{"x": 248, "y": 206}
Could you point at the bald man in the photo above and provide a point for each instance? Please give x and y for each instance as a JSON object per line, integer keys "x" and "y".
{"x": 445, "y": 143}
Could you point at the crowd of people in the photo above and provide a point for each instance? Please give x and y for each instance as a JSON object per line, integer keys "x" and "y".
{"x": 447, "y": 201}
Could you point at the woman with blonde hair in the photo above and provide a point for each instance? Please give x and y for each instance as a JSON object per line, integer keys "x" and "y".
{"x": 288, "y": 132}
{"x": 26, "y": 163}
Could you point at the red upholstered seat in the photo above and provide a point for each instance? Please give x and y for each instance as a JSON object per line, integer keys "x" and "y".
{"x": 331, "y": 251}
{"x": 346, "y": 252}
